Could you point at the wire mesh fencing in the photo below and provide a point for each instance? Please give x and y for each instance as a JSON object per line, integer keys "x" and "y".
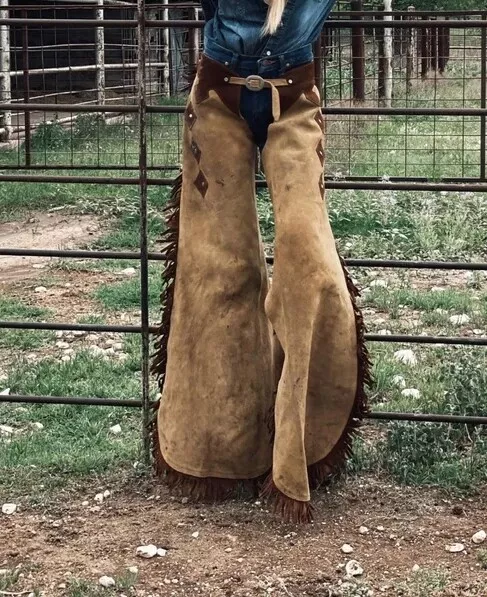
{"x": 93, "y": 95}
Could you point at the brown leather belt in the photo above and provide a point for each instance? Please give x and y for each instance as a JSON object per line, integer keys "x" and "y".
{"x": 257, "y": 83}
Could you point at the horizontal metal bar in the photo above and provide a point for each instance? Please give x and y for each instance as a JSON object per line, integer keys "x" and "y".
{"x": 134, "y": 329}
{"x": 330, "y": 110}
{"x": 428, "y": 418}
{"x": 192, "y": 24}
{"x": 153, "y": 256}
{"x": 13, "y": 398}
{"x": 332, "y": 184}
{"x": 133, "y": 403}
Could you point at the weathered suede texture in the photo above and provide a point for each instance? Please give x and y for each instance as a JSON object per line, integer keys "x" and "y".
{"x": 242, "y": 354}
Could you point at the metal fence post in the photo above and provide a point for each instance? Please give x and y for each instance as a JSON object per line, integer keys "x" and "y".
{"x": 144, "y": 257}
{"x": 483, "y": 99}
{"x": 25, "y": 60}
{"x": 358, "y": 56}
{"x": 100, "y": 57}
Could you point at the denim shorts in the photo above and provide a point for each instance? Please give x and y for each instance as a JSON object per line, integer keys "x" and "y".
{"x": 256, "y": 106}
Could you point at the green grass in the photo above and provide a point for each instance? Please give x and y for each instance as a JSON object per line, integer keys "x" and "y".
{"x": 126, "y": 295}
{"x": 482, "y": 558}
{"x": 83, "y": 588}
{"x": 425, "y": 583}
{"x": 22, "y": 340}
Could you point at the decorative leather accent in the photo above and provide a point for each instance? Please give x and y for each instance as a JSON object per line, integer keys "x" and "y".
{"x": 201, "y": 183}
{"x": 320, "y": 151}
{"x": 195, "y": 150}
{"x": 211, "y": 77}
{"x": 190, "y": 116}
{"x": 319, "y": 119}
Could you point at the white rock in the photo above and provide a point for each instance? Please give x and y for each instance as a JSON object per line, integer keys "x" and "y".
{"x": 117, "y": 346}
{"x": 228, "y": 550}
{"x": 441, "y": 311}
{"x": 69, "y": 352}
{"x": 195, "y": 535}
{"x": 353, "y": 568}
{"x": 40, "y": 289}
{"x": 5, "y": 392}
{"x": 133, "y": 569}
{"x": 106, "y": 581}
{"x": 384, "y": 332}
{"x": 9, "y": 509}
{"x": 62, "y": 345}
{"x": 85, "y": 503}
{"x": 38, "y": 426}
{"x": 66, "y": 358}
{"x": 146, "y": 551}
{"x": 411, "y": 393}
{"x": 346, "y": 548}
{"x": 129, "y": 271}
{"x": 455, "y": 547}
{"x": 459, "y": 319}
{"x": 380, "y": 283}
{"x": 479, "y": 537}
{"x": 363, "y": 530}
{"x": 59, "y": 334}
{"x": 478, "y": 332}
{"x": 161, "y": 552}
{"x": 95, "y": 509}
{"x": 380, "y": 528}
{"x": 399, "y": 381}
{"x": 438, "y": 289}
{"x": 78, "y": 333}
{"x": 106, "y": 494}
{"x": 39, "y": 266}
{"x": 416, "y": 568}
{"x": 99, "y": 497}
{"x": 116, "y": 429}
{"x": 6, "y": 429}
{"x": 406, "y": 356}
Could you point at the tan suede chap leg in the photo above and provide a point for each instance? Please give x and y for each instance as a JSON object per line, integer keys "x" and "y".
{"x": 227, "y": 344}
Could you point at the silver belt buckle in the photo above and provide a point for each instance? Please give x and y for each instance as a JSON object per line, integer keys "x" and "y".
{"x": 254, "y": 83}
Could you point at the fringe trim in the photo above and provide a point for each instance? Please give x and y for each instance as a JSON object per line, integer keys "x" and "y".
{"x": 333, "y": 464}
{"x": 291, "y": 511}
{"x": 159, "y": 363}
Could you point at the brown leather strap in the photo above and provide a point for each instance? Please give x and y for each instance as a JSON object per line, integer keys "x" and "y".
{"x": 256, "y": 83}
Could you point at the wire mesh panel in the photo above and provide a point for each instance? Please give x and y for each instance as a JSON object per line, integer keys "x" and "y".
{"x": 91, "y": 107}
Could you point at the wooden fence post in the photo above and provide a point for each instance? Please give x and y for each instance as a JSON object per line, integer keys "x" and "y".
{"x": 5, "y": 83}
{"x": 358, "y": 56}
{"x": 100, "y": 59}
{"x": 388, "y": 54}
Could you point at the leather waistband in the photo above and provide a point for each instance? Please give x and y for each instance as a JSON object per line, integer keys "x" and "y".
{"x": 213, "y": 75}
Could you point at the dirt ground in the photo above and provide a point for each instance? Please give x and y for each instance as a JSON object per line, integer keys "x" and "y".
{"x": 243, "y": 549}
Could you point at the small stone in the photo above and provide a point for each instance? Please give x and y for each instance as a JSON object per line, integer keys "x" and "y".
{"x": 133, "y": 569}
{"x": 99, "y": 497}
{"x": 38, "y": 266}
{"x": 363, "y": 530}
{"x": 38, "y": 426}
{"x": 184, "y": 500}
{"x": 161, "y": 552}
{"x": 78, "y": 333}
{"x": 95, "y": 509}
{"x": 61, "y": 585}
{"x": 115, "y": 430}
{"x": 59, "y": 334}
{"x": 455, "y": 547}
{"x": 380, "y": 528}
{"x": 92, "y": 338}
{"x": 66, "y": 358}
{"x": 146, "y": 551}
{"x": 107, "y": 493}
{"x": 117, "y": 346}
{"x": 384, "y": 332}
{"x": 478, "y": 332}
{"x": 129, "y": 271}
{"x": 106, "y": 582}
{"x": 416, "y": 568}
{"x": 346, "y": 548}
{"x": 85, "y": 503}
{"x": 406, "y": 356}
{"x": 459, "y": 319}
{"x": 379, "y": 283}
{"x": 9, "y": 509}
{"x": 479, "y": 537}
{"x": 195, "y": 535}
{"x": 40, "y": 289}
{"x": 411, "y": 393}
{"x": 353, "y": 568}
{"x": 228, "y": 549}
{"x": 69, "y": 352}
{"x": 438, "y": 289}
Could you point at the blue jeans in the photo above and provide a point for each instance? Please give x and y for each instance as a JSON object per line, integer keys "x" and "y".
{"x": 256, "y": 106}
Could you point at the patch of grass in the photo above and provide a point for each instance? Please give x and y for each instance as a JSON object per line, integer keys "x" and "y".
{"x": 12, "y": 309}
{"x": 10, "y": 579}
{"x": 84, "y": 588}
{"x": 425, "y": 583}
{"x": 482, "y": 558}
{"x": 126, "y": 294}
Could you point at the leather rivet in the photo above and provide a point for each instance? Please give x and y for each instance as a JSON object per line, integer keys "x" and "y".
{"x": 288, "y": 65}
{"x": 290, "y": 81}
{"x": 227, "y": 63}
{"x": 226, "y": 79}
{"x": 191, "y": 116}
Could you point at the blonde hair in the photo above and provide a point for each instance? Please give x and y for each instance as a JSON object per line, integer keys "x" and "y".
{"x": 274, "y": 16}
